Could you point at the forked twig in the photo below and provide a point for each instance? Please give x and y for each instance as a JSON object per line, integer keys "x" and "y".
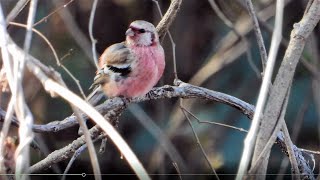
{"x": 198, "y": 141}
{"x": 58, "y": 61}
{"x": 52, "y": 13}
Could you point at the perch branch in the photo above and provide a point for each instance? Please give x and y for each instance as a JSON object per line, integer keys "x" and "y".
{"x": 182, "y": 90}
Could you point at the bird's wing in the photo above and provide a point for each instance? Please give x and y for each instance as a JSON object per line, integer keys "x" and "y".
{"x": 114, "y": 63}
{"x": 118, "y": 55}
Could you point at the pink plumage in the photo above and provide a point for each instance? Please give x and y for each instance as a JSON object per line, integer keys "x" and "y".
{"x": 133, "y": 67}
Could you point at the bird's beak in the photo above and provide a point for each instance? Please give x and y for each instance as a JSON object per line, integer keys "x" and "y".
{"x": 129, "y": 32}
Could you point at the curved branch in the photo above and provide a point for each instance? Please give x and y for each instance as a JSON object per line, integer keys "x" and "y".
{"x": 115, "y": 106}
{"x": 168, "y": 17}
{"x": 183, "y": 90}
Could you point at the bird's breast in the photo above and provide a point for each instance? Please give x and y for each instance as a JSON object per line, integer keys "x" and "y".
{"x": 146, "y": 70}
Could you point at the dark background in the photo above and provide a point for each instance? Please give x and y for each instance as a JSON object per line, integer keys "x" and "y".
{"x": 198, "y": 34}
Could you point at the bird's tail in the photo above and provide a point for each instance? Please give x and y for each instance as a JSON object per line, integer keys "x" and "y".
{"x": 95, "y": 96}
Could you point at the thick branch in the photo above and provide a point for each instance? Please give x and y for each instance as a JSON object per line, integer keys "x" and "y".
{"x": 284, "y": 77}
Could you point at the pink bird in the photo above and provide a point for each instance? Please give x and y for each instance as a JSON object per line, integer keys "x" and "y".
{"x": 132, "y": 68}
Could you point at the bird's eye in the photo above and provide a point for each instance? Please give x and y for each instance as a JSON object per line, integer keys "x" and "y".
{"x": 142, "y": 31}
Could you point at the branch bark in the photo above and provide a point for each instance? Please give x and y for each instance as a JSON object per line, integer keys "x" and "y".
{"x": 168, "y": 18}
{"x": 283, "y": 79}
{"x": 116, "y": 105}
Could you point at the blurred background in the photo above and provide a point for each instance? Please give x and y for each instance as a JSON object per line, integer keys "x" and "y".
{"x": 209, "y": 54}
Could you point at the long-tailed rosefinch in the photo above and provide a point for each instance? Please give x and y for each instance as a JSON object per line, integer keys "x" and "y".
{"x": 131, "y": 68}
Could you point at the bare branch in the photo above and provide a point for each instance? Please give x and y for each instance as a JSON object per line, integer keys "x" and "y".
{"x": 231, "y": 49}
{"x": 67, "y": 151}
{"x": 168, "y": 18}
{"x": 254, "y": 128}
{"x": 76, "y": 155}
{"x": 199, "y": 143}
{"x": 4, "y": 41}
{"x": 256, "y": 28}
{"x": 285, "y": 74}
{"x": 183, "y": 90}
{"x": 116, "y": 105}
{"x": 44, "y": 19}
{"x": 175, "y": 73}
{"x": 93, "y": 40}
{"x": 158, "y": 134}
{"x": 227, "y": 22}
{"x": 21, "y": 4}
{"x": 58, "y": 61}
{"x": 23, "y": 112}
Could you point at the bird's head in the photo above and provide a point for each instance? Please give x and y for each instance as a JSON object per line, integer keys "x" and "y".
{"x": 142, "y": 33}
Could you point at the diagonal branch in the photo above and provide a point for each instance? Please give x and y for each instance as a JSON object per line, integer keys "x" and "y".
{"x": 168, "y": 18}
{"x": 285, "y": 74}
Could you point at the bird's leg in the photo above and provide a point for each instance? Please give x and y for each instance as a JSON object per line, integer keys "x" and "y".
{"x": 115, "y": 122}
{"x": 150, "y": 94}
{"x": 103, "y": 145}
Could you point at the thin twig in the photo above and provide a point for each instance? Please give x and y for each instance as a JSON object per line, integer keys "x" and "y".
{"x": 75, "y": 31}
{"x": 227, "y": 22}
{"x": 89, "y": 143}
{"x": 222, "y": 16}
{"x": 310, "y": 151}
{"x": 250, "y": 61}
{"x": 69, "y": 53}
{"x": 198, "y": 142}
{"x": 158, "y": 134}
{"x": 173, "y": 44}
{"x": 256, "y": 28}
{"x": 175, "y": 165}
{"x": 23, "y": 112}
{"x": 103, "y": 145}
{"x": 214, "y": 123}
{"x": 44, "y": 19}
{"x": 93, "y": 40}
{"x": 285, "y": 42}
{"x": 55, "y": 56}
{"x": 292, "y": 157}
{"x": 76, "y": 154}
{"x": 5, "y": 130}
